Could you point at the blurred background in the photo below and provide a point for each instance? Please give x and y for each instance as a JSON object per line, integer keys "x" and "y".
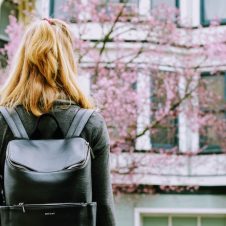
{"x": 156, "y": 70}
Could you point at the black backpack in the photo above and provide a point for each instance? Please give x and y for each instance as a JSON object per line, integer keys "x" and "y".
{"x": 47, "y": 182}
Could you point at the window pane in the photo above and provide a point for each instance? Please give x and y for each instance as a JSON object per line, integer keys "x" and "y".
{"x": 155, "y": 221}
{"x": 165, "y": 135}
{"x": 213, "y": 221}
{"x": 57, "y": 6}
{"x": 184, "y": 221}
{"x": 124, "y": 1}
{"x": 213, "y": 103}
{"x": 214, "y": 9}
{"x": 155, "y": 3}
{"x": 215, "y": 84}
{"x": 164, "y": 130}
{"x": 6, "y": 9}
{"x": 211, "y": 135}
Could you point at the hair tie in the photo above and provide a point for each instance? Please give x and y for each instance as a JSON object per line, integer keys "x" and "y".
{"x": 48, "y": 20}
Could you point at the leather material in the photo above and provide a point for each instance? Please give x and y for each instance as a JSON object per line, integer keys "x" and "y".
{"x": 31, "y": 186}
{"x": 48, "y": 174}
{"x": 48, "y": 155}
{"x": 57, "y": 214}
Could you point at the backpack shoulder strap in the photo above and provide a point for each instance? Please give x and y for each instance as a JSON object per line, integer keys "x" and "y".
{"x": 14, "y": 122}
{"x": 79, "y": 122}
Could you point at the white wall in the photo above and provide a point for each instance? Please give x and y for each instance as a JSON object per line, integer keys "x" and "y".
{"x": 42, "y": 8}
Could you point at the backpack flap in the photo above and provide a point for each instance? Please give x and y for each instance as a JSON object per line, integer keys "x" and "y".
{"x": 48, "y": 155}
{"x": 45, "y": 171}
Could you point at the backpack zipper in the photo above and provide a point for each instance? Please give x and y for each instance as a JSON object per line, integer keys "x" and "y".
{"x": 19, "y": 166}
{"x": 22, "y": 205}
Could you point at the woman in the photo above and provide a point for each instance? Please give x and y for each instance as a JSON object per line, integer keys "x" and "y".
{"x": 43, "y": 80}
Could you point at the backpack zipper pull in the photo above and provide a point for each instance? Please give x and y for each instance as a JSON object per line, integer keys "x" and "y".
{"x": 22, "y": 205}
{"x": 90, "y": 149}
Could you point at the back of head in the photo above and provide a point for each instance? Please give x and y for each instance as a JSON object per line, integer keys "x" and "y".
{"x": 44, "y": 69}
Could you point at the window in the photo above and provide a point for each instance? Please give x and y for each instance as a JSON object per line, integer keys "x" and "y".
{"x": 56, "y": 8}
{"x": 211, "y": 10}
{"x": 66, "y": 10}
{"x": 210, "y": 137}
{"x": 183, "y": 221}
{"x": 155, "y": 221}
{"x": 7, "y": 8}
{"x": 131, "y": 8}
{"x": 164, "y": 133}
{"x": 123, "y": 1}
{"x": 162, "y": 13}
{"x": 171, "y": 3}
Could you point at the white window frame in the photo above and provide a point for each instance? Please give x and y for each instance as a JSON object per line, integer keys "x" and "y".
{"x": 196, "y": 212}
{"x": 143, "y": 118}
{"x": 190, "y": 13}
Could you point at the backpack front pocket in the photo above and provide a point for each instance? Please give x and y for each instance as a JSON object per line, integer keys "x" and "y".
{"x": 49, "y": 214}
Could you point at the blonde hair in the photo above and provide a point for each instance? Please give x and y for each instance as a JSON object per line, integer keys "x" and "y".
{"x": 45, "y": 69}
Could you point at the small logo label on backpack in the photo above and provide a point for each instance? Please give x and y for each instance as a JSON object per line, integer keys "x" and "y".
{"x": 49, "y": 213}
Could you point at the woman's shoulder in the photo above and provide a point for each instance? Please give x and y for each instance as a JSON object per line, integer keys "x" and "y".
{"x": 97, "y": 131}
{"x": 97, "y": 119}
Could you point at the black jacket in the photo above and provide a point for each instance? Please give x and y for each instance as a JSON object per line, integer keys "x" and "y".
{"x": 96, "y": 133}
